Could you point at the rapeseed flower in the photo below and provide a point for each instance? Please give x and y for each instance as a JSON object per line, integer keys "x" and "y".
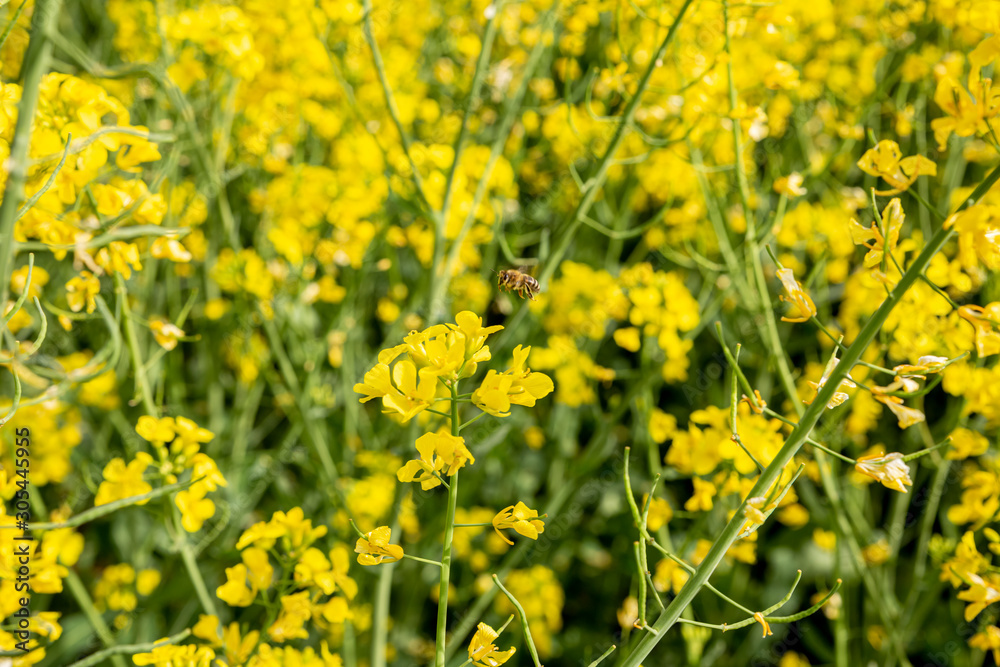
{"x": 374, "y": 547}
{"x": 521, "y": 518}
{"x": 889, "y": 469}
{"x": 483, "y": 652}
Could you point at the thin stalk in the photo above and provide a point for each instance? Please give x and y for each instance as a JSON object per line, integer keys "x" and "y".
{"x": 79, "y": 591}
{"x": 449, "y": 532}
{"x": 797, "y": 437}
{"x": 524, "y": 621}
{"x": 35, "y": 64}
{"x": 132, "y": 341}
{"x": 574, "y": 221}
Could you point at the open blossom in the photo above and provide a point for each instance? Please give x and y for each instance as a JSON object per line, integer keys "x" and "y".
{"x": 374, "y": 547}
{"x": 968, "y": 112}
{"x": 802, "y": 304}
{"x": 888, "y": 469}
{"x": 483, "y": 652}
{"x": 516, "y": 386}
{"x": 521, "y": 518}
{"x": 886, "y": 160}
{"x": 980, "y": 594}
{"x": 872, "y": 237}
{"x": 444, "y": 351}
{"x": 440, "y": 454}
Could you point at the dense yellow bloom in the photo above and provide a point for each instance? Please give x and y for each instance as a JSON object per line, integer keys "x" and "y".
{"x": 888, "y": 469}
{"x": 441, "y": 351}
{"x": 374, "y": 547}
{"x": 483, "y": 652}
{"x": 521, "y": 518}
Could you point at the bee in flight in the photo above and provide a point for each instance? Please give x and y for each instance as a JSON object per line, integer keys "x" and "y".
{"x": 515, "y": 280}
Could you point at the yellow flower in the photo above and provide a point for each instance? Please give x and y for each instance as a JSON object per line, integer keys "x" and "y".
{"x": 885, "y": 160}
{"x": 907, "y": 416}
{"x": 986, "y": 322}
{"x": 483, "y": 652}
{"x": 521, "y": 518}
{"x": 701, "y": 499}
{"x": 988, "y": 640}
{"x": 146, "y": 581}
{"x": 124, "y": 481}
{"x": 195, "y": 507}
{"x": 119, "y": 257}
{"x": 235, "y": 591}
{"x": 440, "y": 453}
{"x": 165, "y": 333}
{"x": 790, "y": 186}
{"x": 759, "y": 617}
{"x": 980, "y": 594}
{"x": 39, "y": 278}
{"x": 888, "y": 469}
{"x": 374, "y": 548}
{"x": 81, "y": 292}
{"x": 660, "y": 514}
{"x": 518, "y": 386}
{"x": 892, "y": 220}
{"x": 295, "y": 611}
{"x": 403, "y": 395}
{"x": 802, "y": 304}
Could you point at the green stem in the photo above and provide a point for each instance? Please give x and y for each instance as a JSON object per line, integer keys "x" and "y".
{"x": 524, "y": 621}
{"x": 116, "y": 651}
{"x": 574, "y": 221}
{"x": 796, "y": 439}
{"x": 138, "y": 367}
{"x": 79, "y": 592}
{"x": 449, "y": 532}
{"x": 191, "y": 565}
{"x": 36, "y": 62}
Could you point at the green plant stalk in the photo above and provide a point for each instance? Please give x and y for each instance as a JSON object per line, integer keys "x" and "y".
{"x": 36, "y": 62}
{"x": 132, "y": 341}
{"x": 449, "y": 532}
{"x": 794, "y": 442}
{"x": 116, "y": 651}
{"x": 191, "y": 564}
{"x": 574, "y": 221}
{"x": 390, "y": 102}
{"x": 441, "y": 283}
{"x": 482, "y": 64}
{"x": 524, "y": 621}
{"x": 79, "y": 592}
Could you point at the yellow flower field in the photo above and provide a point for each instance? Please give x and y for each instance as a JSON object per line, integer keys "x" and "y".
{"x": 356, "y": 333}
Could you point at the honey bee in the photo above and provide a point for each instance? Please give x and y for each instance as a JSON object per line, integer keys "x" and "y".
{"x": 513, "y": 280}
